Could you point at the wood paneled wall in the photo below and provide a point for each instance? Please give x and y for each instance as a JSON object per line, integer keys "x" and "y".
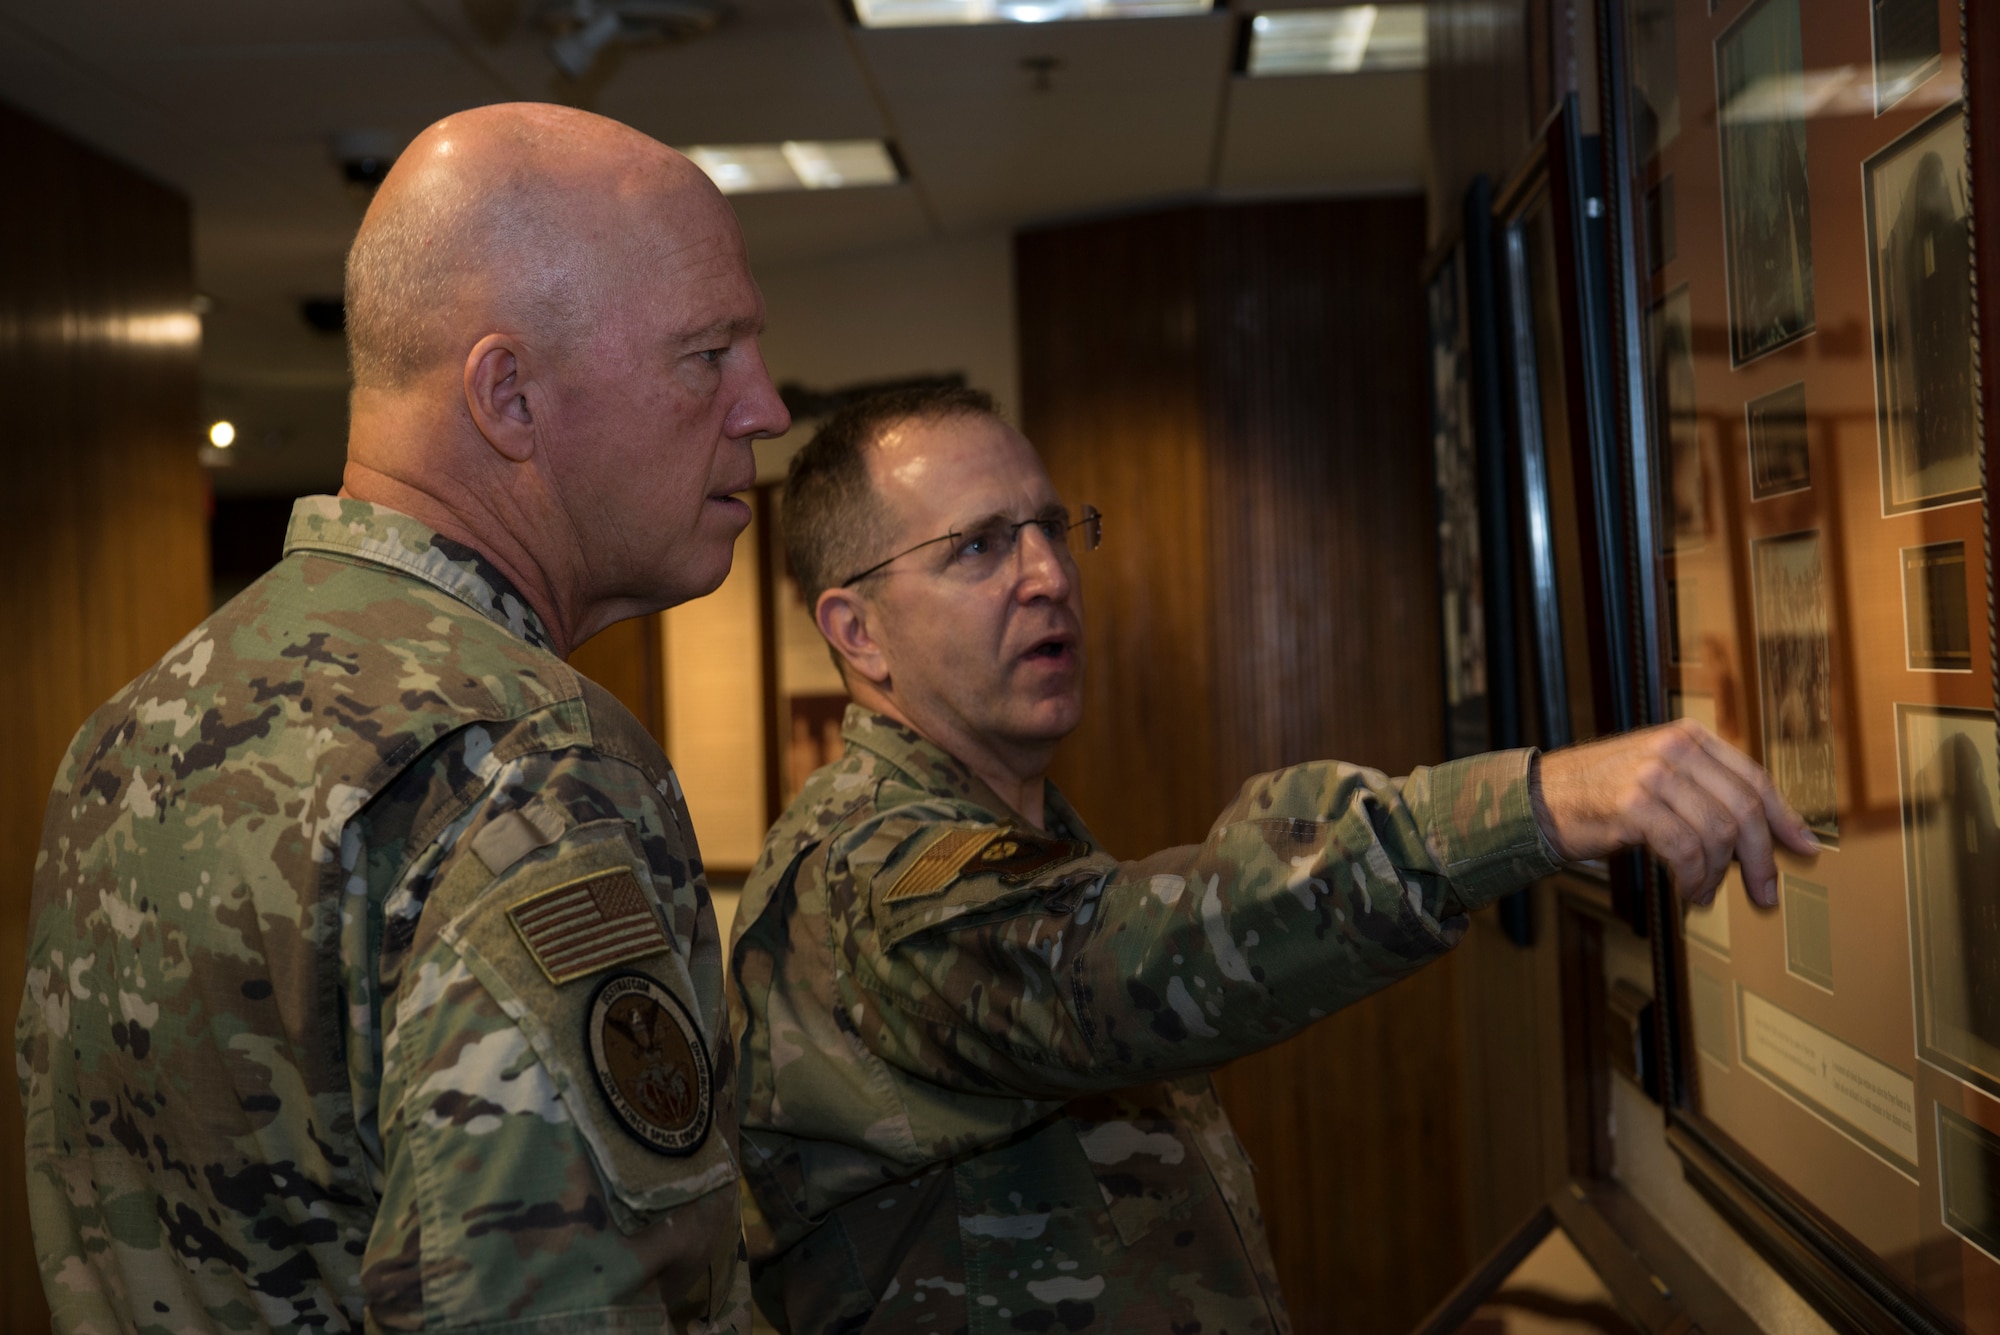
{"x": 1241, "y": 390}
{"x": 103, "y": 511}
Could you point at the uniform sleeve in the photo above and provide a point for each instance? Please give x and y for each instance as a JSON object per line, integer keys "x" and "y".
{"x": 1317, "y": 886}
{"x": 556, "y": 1123}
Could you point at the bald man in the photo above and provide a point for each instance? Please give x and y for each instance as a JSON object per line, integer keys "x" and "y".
{"x": 373, "y": 978}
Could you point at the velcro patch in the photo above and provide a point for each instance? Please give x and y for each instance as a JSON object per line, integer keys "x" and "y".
{"x": 582, "y": 926}
{"x": 938, "y": 866}
{"x": 513, "y": 835}
{"x": 1015, "y": 857}
{"x": 650, "y": 1063}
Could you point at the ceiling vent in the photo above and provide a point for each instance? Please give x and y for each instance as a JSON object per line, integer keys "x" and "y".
{"x": 583, "y": 30}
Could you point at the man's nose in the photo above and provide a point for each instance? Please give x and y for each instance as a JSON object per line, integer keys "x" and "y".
{"x": 759, "y": 413}
{"x": 1043, "y": 568}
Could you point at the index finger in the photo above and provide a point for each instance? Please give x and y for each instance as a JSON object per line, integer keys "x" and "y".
{"x": 1784, "y": 819}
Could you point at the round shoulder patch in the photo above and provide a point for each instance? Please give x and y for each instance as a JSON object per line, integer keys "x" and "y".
{"x": 650, "y": 1063}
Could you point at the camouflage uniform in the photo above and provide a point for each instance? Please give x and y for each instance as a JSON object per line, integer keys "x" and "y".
{"x": 973, "y": 1058}
{"x": 372, "y": 975}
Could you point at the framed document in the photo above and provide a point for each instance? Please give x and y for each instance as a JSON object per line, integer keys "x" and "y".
{"x": 1805, "y": 424}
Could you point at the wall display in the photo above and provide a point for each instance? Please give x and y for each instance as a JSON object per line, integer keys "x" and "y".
{"x": 1454, "y": 449}
{"x": 1809, "y": 406}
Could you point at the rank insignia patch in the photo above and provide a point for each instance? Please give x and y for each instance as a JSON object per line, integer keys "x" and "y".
{"x": 650, "y": 1063}
{"x": 1015, "y": 857}
{"x": 588, "y": 925}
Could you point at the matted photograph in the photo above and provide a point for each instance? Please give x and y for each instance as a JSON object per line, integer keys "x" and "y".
{"x": 1936, "y": 613}
{"x": 1454, "y": 447}
{"x": 1780, "y": 453}
{"x": 1950, "y": 775}
{"x": 1767, "y": 214}
{"x": 1920, "y": 304}
{"x": 1909, "y": 47}
{"x": 1687, "y": 520}
{"x": 1795, "y": 674}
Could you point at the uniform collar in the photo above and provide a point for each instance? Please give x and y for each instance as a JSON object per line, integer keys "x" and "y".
{"x": 933, "y": 769}
{"x": 362, "y": 531}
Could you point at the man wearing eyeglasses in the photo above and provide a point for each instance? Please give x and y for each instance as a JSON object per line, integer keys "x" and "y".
{"x": 974, "y": 1045}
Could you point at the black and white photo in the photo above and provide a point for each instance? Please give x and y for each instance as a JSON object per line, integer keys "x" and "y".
{"x": 1780, "y": 457}
{"x": 1920, "y": 304}
{"x": 1950, "y": 777}
{"x": 1795, "y": 674}
{"x": 1761, "y": 117}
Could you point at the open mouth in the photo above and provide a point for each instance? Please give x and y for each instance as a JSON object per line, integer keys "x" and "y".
{"x": 1054, "y": 647}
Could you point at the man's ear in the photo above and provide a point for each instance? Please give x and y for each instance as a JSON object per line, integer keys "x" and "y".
{"x": 842, "y": 615}
{"x": 497, "y": 394}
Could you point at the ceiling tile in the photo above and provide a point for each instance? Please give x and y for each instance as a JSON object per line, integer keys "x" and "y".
{"x": 1128, "y": 115}
{"x": 1337, "y": 132}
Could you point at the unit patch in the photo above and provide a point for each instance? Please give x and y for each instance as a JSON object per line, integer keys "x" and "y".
{"x": 1011, "y": 855}
{"x": 1015, "y": 857}
{"x": 650, "y": 1063}
{"x": 586, "y": 925}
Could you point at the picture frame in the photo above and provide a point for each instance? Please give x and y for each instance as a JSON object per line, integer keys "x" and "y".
{"x": 1455, "y": 458}
{"x": 1566, "y": 481}
{"x": 1920, "y": 312}
{"x": 1766, "y": 197}
{"x": 1845, "y": 626}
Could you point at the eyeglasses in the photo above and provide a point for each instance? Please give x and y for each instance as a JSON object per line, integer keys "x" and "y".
{"x": 986, "y": 547}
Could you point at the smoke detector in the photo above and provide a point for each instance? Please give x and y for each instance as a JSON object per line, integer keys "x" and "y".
{"x": 582, "y": 30}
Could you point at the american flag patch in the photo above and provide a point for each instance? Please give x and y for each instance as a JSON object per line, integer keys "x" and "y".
{"x": 587, "y": 925}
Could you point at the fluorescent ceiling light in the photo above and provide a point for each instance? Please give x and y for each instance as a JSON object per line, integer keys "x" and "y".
{"x": 1350, "y": 40}
{"x": 938, "y": 13}
{"x": 796, "y": 164}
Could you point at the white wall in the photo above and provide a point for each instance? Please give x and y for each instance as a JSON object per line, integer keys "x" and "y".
{"x": 925, "y": 309}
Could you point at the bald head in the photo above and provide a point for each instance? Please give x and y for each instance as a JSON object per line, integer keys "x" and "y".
{"x": 554, "y": 335}
{"x": 520, "y": 215}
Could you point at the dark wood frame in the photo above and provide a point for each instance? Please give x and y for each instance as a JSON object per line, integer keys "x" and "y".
{"x": 1565, "y": 164}
{"x": 1825, "y": 1264}
{"x": 1470, "y": 247}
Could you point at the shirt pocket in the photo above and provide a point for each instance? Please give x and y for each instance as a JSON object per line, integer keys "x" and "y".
{"x": 572, "y": 943}
{"x": 1147, "y": 1167}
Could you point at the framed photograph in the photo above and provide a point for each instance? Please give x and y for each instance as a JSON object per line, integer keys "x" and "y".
{"x": 1767, "y": 208}
{"x": 1780, "y": 453}
{"x": 1937, "y": 612}
{"x": 1909, "y": 47}
{"x": 1950, "y": 768}
{"x": 1795, "y": 674}
{"x": 1677, "y": 425}
{"x": 1920, "y": 303}
{"x": 1833, "y": 1066}
{"x": 1455, "y": 452}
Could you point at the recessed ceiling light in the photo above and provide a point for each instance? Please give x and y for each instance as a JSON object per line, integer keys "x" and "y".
{"x": 222, "y": 435}
{"x": 1352, "y": 39}
{"x": 941, "y": 13}
{"x": 796, "y": 164}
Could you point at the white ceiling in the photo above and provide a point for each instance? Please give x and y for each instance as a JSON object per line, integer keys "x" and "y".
{"x": 237, "y": 104}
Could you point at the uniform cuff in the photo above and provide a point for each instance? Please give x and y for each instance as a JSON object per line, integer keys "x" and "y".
{"x": 1482, "y": 829}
